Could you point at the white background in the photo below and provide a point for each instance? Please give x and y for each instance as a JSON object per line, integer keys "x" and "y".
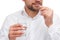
{"x": 8, "y": 7}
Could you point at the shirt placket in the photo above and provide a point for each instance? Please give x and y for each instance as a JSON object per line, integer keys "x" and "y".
{"x": 30, "y": 30}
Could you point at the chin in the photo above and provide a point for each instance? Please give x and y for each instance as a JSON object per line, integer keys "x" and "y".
{"x": 36, "y": 8}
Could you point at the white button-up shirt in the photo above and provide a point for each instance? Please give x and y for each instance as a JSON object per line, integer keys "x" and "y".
{"x": 36, "y": 28}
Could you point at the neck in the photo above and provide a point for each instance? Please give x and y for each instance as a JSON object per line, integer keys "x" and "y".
{"x": 30, "y": 12}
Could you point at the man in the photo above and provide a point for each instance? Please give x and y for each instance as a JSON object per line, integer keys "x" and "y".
{"x": 35, "y": 22}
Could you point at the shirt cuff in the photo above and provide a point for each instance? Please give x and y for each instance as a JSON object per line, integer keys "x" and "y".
{"x": 53, "y": 28}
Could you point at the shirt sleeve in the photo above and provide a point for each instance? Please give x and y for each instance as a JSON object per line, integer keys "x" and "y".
{"x": 5, "y": 28}
{"x": 54, "y": 29}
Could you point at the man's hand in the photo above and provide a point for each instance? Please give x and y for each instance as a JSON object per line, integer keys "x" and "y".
{"x": 47, "y": 13}
{"x": 16, "y": 31}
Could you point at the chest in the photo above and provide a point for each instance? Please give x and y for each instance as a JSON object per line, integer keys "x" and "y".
{"x": 35, "y": 28}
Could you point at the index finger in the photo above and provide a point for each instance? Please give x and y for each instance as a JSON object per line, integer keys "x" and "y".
{"x": 16, "y": 25}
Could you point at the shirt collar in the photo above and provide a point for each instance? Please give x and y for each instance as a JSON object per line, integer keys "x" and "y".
{"x": 26, "y": 15}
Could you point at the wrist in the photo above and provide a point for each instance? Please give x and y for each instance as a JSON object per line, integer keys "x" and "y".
{"x": 48, "y": 23}
{"x": 12, "y": 38}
